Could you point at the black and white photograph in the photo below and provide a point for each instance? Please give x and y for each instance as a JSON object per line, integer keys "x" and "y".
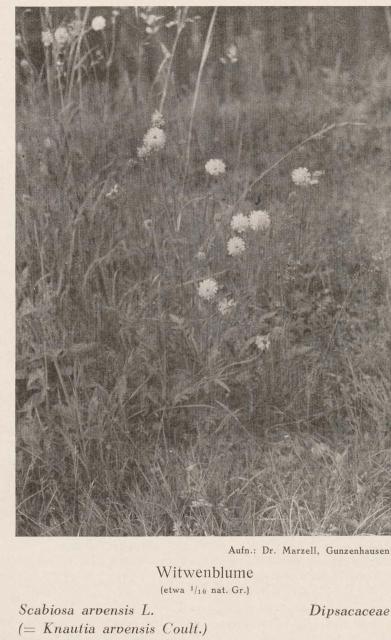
{"x": 203, "y": 262}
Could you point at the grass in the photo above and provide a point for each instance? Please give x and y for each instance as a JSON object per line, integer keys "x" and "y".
{"x": 141, "y": 410}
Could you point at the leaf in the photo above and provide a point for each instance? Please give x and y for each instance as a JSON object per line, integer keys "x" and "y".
{"x": 26, "y": 308}
{"x": 267, "y": 316}
{"x": 80, "y": 348}
{"x": 30, "y": 433}
{"x": 121, "y": 388}
{"x": 222, "y": 385}
{"x": 36, "y": 380}
{"x": 299, "y": 350}
{"x": 177, "y": 320}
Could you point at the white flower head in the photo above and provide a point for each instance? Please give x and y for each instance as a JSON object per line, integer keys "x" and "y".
{"x": 259, "y": 220}
{"x": 154, "y": 139}
{"x": 47, "y": 38}
{"x": 235, "y": 246}
{"x": 232, "y": 53}
{"x": 207, "y": 289}
{"x": 157, "y": 119}
{"x": 61, "y": 36}
{"x": 98, "y": 23}
{"x": 239, "y": 223}
{"x": 302, "y": 177}
{"x": 262, "y": 342}
{"x": 215, "y": 167}
{"x": 225, "y": 306}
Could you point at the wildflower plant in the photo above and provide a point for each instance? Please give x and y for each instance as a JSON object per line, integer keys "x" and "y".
{"x": 302, "y": 177}
{"x": 215, "y": 167}
{"x": 154, "y": 140}
{"x": 207, "y": 289}
{"x": 236, "y": 246}
{"x": 239, "y": 223}
{"x": 98, "y": 23}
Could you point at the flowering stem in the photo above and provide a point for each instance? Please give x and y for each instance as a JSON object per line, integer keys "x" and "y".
{"x": 205, "y": 53}
{"x": 313, "y": 136}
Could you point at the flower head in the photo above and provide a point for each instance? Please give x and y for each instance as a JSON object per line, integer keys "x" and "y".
{"x": 232, "y": 53}
{"x": 215, "y": 167}
{"x": 235, "y": 246}
{"x": 157, "y": 119}
{"x": 302, "y": 177}
{"x": 61, "y": 36}
{"x": 154, "y": 139}
{"x": 98, "y": 23}
{"x": 207, "y": 289}
{"x": 259, "y": 220}
{"x": 25, "y": 64}
{"x": 262, "y": 342}
{"x": 47, "y": 38}
{"x": 239, "y": 223}
{"x": 225, "y": 306}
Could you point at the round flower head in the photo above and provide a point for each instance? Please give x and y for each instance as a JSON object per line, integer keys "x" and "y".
{"x": 98, "y": 23}
{"x": 47, "y": 38}
{"x": 157, "y": 119}
{"x": 239, "y": 223}
{"x": 61, "y": 36}
{"x": 215, "y": 167}
{"x": 225, "y": 306}
{"x": 259, "y": 220}
{"x": 303, "y": 178}
{"x": 235, "y": 246}
{"x": 207, "y": 289}
{"x": 262, "y": 342}
{"x": 154, "y": 139}
{"x": 232, "y": 53}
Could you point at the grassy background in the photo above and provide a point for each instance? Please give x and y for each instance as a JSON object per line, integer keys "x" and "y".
{"x": 140, "y": 409}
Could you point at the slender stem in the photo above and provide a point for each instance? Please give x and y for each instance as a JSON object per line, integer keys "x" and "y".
{"x": 180, "y": 27}
{"x": 197, "y": 88}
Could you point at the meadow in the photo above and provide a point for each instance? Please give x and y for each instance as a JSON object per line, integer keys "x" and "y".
{"x": 203, "y": 304}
